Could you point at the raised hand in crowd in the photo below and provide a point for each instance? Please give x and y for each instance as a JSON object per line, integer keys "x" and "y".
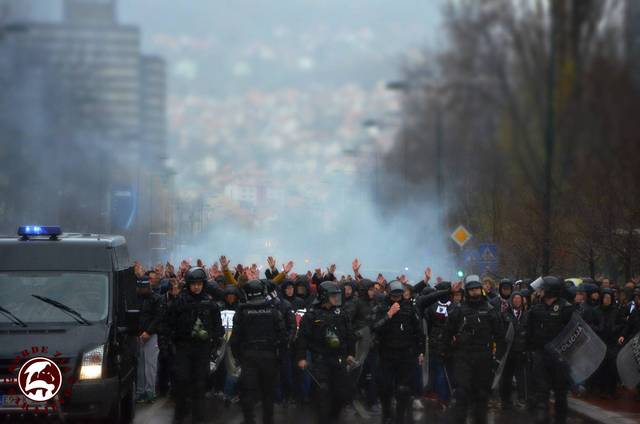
{"x": 224, "y": 262}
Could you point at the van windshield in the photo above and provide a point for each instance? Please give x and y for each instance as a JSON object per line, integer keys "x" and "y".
{"x": 31, "y": 297}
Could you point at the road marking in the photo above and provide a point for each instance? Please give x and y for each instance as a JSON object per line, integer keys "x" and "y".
{"x": 598, "y": 414}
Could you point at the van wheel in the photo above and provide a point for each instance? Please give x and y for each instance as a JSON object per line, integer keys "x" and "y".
{"x": 123, "y": 410}
{"x": 128, "y": 405}
{"x": 115, "y": 415}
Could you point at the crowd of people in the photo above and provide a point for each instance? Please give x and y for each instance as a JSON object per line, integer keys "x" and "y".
{"x": 379, "y": 347}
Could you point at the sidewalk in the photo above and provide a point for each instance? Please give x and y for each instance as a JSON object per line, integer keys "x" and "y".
{"x": 625, "y": 410}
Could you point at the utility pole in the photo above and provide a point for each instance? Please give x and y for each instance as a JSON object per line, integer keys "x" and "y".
{"x": 549, "y": 147}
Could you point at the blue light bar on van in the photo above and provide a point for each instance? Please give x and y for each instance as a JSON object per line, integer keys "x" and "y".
{"x": 38, "y": 230}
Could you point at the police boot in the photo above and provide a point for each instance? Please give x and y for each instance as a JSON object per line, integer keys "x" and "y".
{"x": 403, "y": 400}
{"x": 386, "y": 410}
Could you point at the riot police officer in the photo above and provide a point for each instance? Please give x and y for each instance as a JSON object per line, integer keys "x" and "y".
{"x": 325, "y": 332}
{"x": 196, "y": 329}
{"x": 473, "y": 327}
{"x": 401, "y": 348}
{"x": 546, "y": 320}
{"x": 258, "y": 338}
{"x": 436, "y": 317}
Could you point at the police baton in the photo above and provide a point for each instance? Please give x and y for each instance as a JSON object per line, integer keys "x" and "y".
{"x": 446, "y": 376}
{"x": 312, "y": 376}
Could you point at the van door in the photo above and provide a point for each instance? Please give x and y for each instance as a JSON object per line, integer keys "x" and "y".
{"x": 126, "y": 329}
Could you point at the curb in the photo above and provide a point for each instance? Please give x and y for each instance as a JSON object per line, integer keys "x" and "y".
{"x": 598, "y": 414}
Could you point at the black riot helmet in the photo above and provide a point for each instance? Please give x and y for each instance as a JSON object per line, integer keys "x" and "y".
{"x": 443, "y": 285}
{"x": 195, "y": 274}
{"x": 472, "y": 282}
{"x": 552, "y": 286}
{"x": 255, "y": 291}
{"x": 326, "y": 290}
{"x": 396, "y": 287}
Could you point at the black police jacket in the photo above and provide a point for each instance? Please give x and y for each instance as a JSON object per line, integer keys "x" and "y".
{"x": 259, "y": 330}
{"x": 151, "y": 313}
{"x": 288, "y": 315}
{"x": 437, "y": 316}
{"x": 402, "y": 332}
{"x": 187, "y": 308}
{"x": 474, "y": 326}
{"x": 316, "y": 334}
{"x": 545, "y": 322}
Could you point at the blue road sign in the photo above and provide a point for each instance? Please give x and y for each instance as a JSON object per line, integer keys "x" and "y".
{"x": 488, "y": 257}
{"x": 470, "y": 256}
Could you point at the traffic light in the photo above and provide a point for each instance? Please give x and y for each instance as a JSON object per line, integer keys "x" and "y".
{"x": 460, "y": 273}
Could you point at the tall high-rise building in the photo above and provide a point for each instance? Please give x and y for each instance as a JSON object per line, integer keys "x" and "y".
{"x": 81, "y": 93}
{"x": 90, "y": 11}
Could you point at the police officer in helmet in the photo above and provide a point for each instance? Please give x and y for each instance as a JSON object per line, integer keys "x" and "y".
{"x": 258, "y": 338}
{"x": 401, "y": 347}
{"x": 473, "y": 328}
{"x": 326, "y": 333}
{"x": 196, "y": 330}
{"x": 547, "y": 318}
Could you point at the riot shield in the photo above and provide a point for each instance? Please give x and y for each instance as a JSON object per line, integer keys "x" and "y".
{"x": 218, "y": 357}
{"x": 425, "y": 364}
{"x": 363, "y": 344}
{"x": 229, "y": 360}
{"x": 579, "y": 347}
{"x": 628, "y": 362}
{"x": 503, "y": 361}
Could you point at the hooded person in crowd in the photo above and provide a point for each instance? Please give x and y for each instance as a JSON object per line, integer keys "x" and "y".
{"x": 516, "y": 364}
{"x": 436, "y": 316}
{"x": 502, "y": 301}
{"x": 612, "y": 326}
{"x": 303, "y": 291}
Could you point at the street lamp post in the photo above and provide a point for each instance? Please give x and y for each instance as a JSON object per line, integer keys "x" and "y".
{"x": 549, "y": 150}
{"x": 405, "y": 86}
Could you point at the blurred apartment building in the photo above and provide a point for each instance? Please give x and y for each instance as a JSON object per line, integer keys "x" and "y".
{"x": 87, "y": 111}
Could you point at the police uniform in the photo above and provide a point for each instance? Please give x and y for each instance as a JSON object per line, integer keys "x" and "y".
{"x": 258, "y": 337}
{"x": 196, "y": 331}
{"x": 401, "y": 341}
{"x": 474, "y": 326}
{"x": 545, "y": 322}
{"x": 326, "y": 333}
